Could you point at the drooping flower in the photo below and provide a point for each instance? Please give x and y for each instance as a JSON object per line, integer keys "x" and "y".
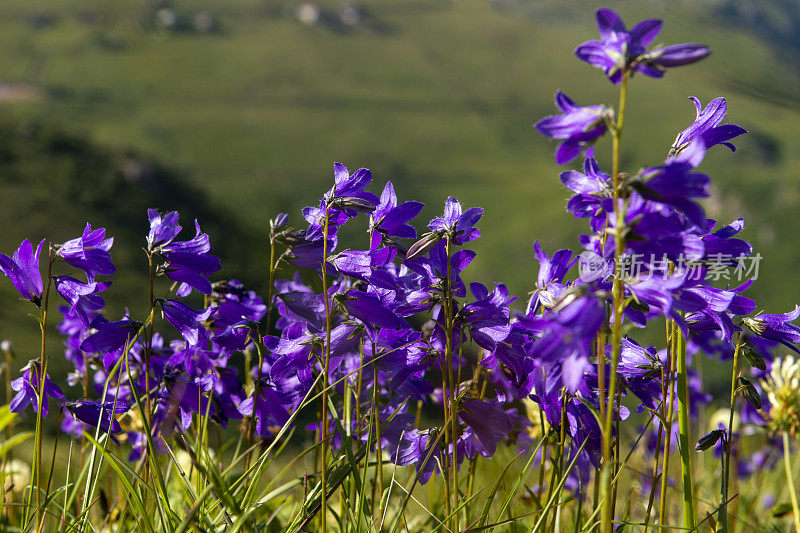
{"x": 190, "y": 262}
{"x": 593, "y": 188}
{"x": 82, "y": 297}
{"x": 23, "y": 270}
{"x": 109, "y": 336}
{"x": 675, "y": 184}
{"x": 487, "y": 318}
{"x": 185, "y": 319}
{"x": 621, "y": 51}
{"x": 94, "y": 413}
{"x": 27, "y": 387}
{"x": 269, "y": 412}
{"x": 488, "y": 421}
{"x": 567, "y": 337}
{"x": 578, "y": 126}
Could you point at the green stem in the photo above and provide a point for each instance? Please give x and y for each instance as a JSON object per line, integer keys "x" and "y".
{"x": 619, "y": 304}
{"x": 787, "y": 464}
{"x": 42, "y": 374}
{"x": 325, "y": 369}
{"x": 668, "y": 415}
{"x": 726, "y": 472}
{"x": 685, "y": 435}
{"x": 448, "y": 355}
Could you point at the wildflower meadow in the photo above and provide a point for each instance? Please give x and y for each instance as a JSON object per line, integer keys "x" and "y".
{"x": 365, "y": 386}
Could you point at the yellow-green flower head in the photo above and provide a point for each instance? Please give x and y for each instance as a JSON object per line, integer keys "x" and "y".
{"x": 783, "y": 391}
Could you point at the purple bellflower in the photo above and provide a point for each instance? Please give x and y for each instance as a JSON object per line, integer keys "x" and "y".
{"x": 185, "y": 319}
{"x": 89, "y": 252}
{"x": 93, "y": 413}
{"x": 27, "y": 387}
{"x": 549, "y": 282}
{"x": 620, "y": 51}
{"x": 162, "y": 229}
{"x": 23, "y": 270}
{"x": 458, "y": 223}
{"x": 706, "y": 131}
{"x": 82, "y": 297}
{"x": 579, "y": 127}
{"x": 109, "y": 336}
{"x": 592, "y": 188}
{"x": 390, "y": 219}
{"x": 778, "y": 327}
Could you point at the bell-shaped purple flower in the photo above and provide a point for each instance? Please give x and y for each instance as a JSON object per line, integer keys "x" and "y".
{"x": 488, "y": 421}
{"x": 620, "y": 50}
{"x": 776, "y": 327}
{"x": 27, "y": 387}
{"x": 706, "y": 131}
{"x": 549, "y": 286}
{"x": 23, "y": 270}
{"x": 109, "y": 336}
{"x": 371, "y": 310}
{"x": 578, "y": 126}
{"x": 82, "y": 297}
{"x": 351, "y": 185}
{"x": 191, "y": 270}
{"x": 675, "y": 184}
{"x": 93, "y": 413}
{"x": 185, "y": 319}
{"x": 89, "y": 252}
{"x": 269, "y": 411}
{"x": 488, "y": 316}
{"x": 460, "y": 224}
{"x": 390, "y": 219}
{"x": 592, "y": 188}
{"x": 162, "y": 229}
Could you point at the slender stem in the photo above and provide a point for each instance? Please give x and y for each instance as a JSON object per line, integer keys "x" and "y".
{"x": 601, "y": 372}
{"x": 448, "y": 355}
{"x": 325, "y": 369}
{"x": 52, "y": 467}
{"x": 149, "y": 347}
{"x": 8, "y": 497}
{"x": 41, "y": 376}
{"x": 619, "y": 305}
{"x": 661, "y": 429}
{"x": 723, "y": 512}
{"x": 662, "y": 506}
{"x": 787, "y": 465}
{"x": 685, "y": 435}
{"x": 376, "y": 416}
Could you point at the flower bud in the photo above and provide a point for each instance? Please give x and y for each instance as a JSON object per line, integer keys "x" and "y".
{"x": 754, "y": 359}
{"x": 709, "y": 440}
{"x": 420, "y": 247}
{"x": 750, "y": 393}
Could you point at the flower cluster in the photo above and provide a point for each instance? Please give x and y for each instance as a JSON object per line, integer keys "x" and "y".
{"x": 394, "y": 324}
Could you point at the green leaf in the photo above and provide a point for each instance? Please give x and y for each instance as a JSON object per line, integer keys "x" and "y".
{"x": 782, "y": 509}
{"x": 6, "y": 416}
{"x": 19, "y": 438}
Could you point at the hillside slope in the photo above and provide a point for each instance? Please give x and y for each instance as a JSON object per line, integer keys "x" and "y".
{"x": 438, "y": 96}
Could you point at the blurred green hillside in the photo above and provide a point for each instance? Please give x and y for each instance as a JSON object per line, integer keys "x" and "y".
{"x": 236, "y": 110}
